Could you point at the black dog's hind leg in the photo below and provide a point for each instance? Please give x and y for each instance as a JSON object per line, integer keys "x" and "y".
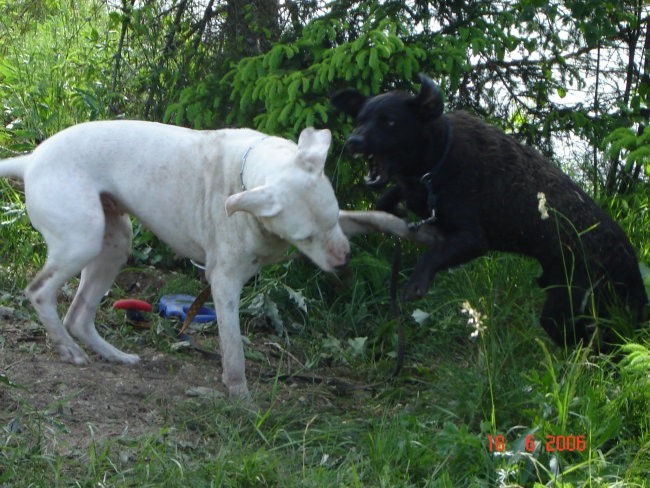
{"x": 455, "y": 249}
{"x": 561, "y": 315}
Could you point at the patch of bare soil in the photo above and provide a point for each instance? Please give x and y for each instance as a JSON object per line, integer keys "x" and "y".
{"x": 100, "y": 401}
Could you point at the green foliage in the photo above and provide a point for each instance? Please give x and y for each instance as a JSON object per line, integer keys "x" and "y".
{"x": 292, "y": 97}
{"x": 18, "y": 240}
{"x": 197, "y": 106}
{"x": 147, "y": 249}
{"x": 635, "y": 148}
{"x": 287, "y": 88}
{"x": 634, "y": 397}
{"x": 430, "y": 427}
{"x": 56, "y": 74}
{"x": 632, "y": 211}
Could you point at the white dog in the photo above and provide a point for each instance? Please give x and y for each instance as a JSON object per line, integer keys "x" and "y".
{"x": 82, "y": 184}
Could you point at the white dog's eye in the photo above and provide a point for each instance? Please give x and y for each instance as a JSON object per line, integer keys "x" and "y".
{"x": 303, "y": 240}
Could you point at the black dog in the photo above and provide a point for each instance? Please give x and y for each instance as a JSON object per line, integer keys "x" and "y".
{"x": 482, "y": 190}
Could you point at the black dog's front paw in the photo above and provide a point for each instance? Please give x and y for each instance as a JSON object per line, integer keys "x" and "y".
{"x": 415, "y": 288}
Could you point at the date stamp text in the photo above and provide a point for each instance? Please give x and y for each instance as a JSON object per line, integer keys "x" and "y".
{"x": 552, "y": 443}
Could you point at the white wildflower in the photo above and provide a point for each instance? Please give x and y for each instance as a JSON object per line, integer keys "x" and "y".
{"x": 541, "y": 205}
{"x": 554, "y": 467}
{"x": 503, "y": 454}
{"x": 420, "y": 316}
{"x": 475, "y": 319}
{"x": 504, "y": 475}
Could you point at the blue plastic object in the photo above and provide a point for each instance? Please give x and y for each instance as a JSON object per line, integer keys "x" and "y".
{"x": 176, "y": 305}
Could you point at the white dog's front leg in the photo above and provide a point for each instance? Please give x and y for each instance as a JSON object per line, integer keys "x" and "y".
{"x": 226, "y": 294}
{"x": 355, "y": 222}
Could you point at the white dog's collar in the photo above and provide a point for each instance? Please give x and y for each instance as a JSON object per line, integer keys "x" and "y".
{"x": 243, "y": 161}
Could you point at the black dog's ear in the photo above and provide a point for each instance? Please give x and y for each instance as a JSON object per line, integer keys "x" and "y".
{"x": 429, "y": 100}
{"x": 348, "y": 101}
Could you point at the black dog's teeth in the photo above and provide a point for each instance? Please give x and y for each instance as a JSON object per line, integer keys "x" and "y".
{"x": 376, "y": 177}
{"x": 370, "y": 182}
{"x": 372, "y": 179}
{"x": 373, "y": 175}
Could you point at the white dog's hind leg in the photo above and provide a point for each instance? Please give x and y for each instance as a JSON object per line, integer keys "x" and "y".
{"x": 96, "y": 278}
{"x": 71, "y": 220}
{"x": 42, "y": 294}
{"x": 63, "y": 262}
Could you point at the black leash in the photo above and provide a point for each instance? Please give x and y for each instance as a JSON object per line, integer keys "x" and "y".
{"x": 343, "y": 386}
{"x": 427, "y": 180}
{"x": 394, "y": 304}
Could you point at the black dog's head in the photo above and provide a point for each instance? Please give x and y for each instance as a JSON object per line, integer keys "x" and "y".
{"x": 390, "y": 128}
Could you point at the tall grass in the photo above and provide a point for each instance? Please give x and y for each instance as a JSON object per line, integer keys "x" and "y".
{"x": 463, "y": 387}
{"x": 433, "y": 426}
{"x": 49, "y": 80}
{"x": 57, "y": 72}
{"x": 632, "y": 211}
{"x": 21, "y": 247}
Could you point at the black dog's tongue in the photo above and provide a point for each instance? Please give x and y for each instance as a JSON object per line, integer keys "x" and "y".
{"x": 377, "y": 176}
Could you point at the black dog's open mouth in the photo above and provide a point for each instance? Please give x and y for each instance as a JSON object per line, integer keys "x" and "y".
{"x": 378, "y": 175}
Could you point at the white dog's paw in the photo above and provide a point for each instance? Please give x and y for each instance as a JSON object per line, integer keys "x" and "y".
{"x": 108, "y": 352}
{"x": 130, "y": 359}
{"x": 239, "y": 391}
{"x": 121, "y": 357}
{"x": 72, "y": 353}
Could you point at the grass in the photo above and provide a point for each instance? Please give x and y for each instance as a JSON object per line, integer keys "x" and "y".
{"x": 429, "y": 427}
{"x": 483, "y": 400}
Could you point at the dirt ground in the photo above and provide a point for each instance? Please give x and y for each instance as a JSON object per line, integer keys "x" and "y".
{"x": 104, "y": 400}
{"x": 101, "y": 399}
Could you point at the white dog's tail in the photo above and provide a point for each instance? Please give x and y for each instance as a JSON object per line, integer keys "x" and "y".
{"x": 14, "y": 167}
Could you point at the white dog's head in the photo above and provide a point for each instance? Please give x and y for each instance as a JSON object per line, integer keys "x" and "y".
{"x": 301, "y": 207}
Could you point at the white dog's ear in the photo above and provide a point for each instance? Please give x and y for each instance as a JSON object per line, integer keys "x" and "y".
{"x": 261, "y": 202}
{"x": 312, "y": 148}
